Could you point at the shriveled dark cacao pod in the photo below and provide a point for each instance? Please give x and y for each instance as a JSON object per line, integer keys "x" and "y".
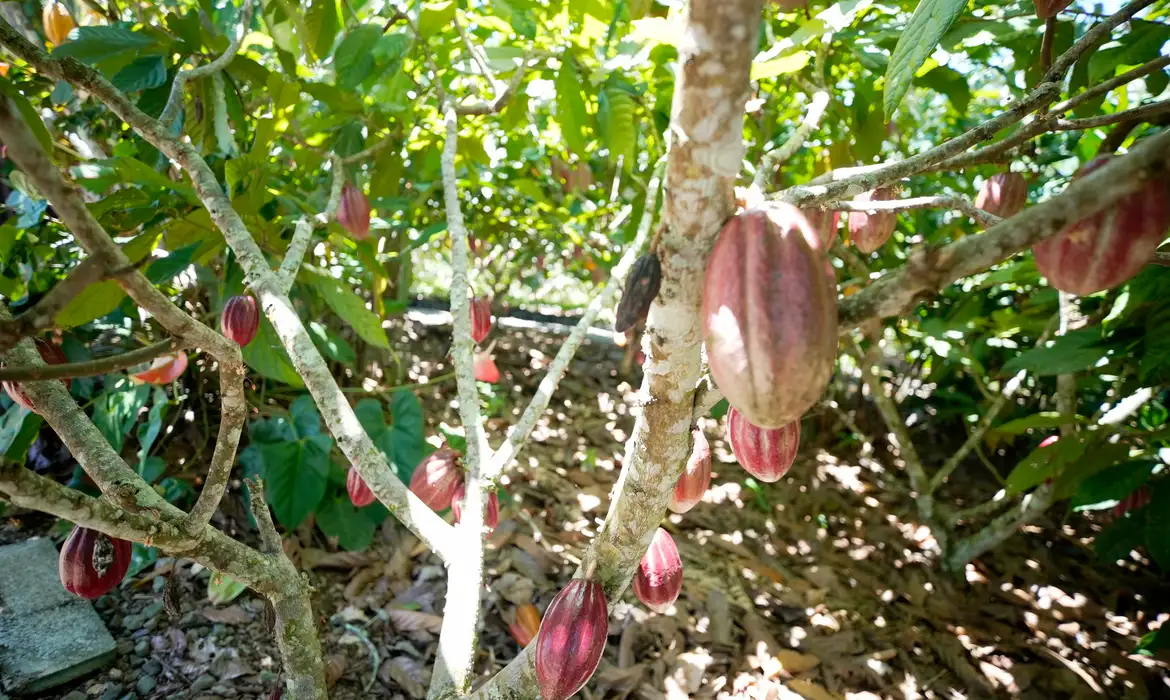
{"x": 92, "y": 563}
{"x": 765, "y": 453}
{"x": 658, "y": 580}
{"x": 1136, "y": 500}
{"x": 484, "y": 367}
{"x": 436, "y": 478}
{"x": 1003, "y": 194}
{"x": 163, "y": 370}
{"x": 353, "y": 213}
{"x": 1109, "y": 248}
{"x": 696, "y": 478}
{"x": 359, "y": 492}
{"x": 1050, "y": 8}
{"x": 870, "y": 230}
{"x": 571, "y": 640}
{"x": 770, "y": 315}
{"x": 240, "y": 319}
{"x": 481, "y": 318}
{"x": 641, "y": 288}
{"x": 52, "y": 355}
{"x": 825, "y": 223}
{"x": 491, "y": 516}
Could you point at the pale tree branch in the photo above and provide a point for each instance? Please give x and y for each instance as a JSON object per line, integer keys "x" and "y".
{"x": 1137, "y": 113}
{"x": 1111, "y": 84}
{"x": 706, "y": 396}
{"x": 366, "y": 154}
{"x": 269, "y": 537}
{"x": 178, "y": 86}
{"x": 776, "y": 157}
{"x": 1001, "y": 528}
{"x": 502, "y": 96}
{"x": 930, "y": 202}
{"x": 303, "y": 233}
{"x": 1091, "y": 38}
{"x": 477, "y": 56}
{"x": 91, "y": 368}
{"x": 42, "y": 314}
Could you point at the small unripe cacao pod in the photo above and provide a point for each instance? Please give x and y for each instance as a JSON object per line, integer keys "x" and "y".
{"x": 769, "y": 315}
{"x": 870, "y": 230}
{"x": 485, "y": 368}
{"x": 696, "y": 478}
{"x": 526, "y": 624}
{"x": 481, "y": 318}
{"x": 1050, "y": 8}
{"x": 359, "y": 492}
{"x": 658, "y": 580}
{"x": 571, "y": 640}
{"x": 52, "y": 355}
{"x": 825, "y": 223}
{"x": 1109, "y": 248}
{"x": 1003, "y": 194}
{"x": 57, "y": 22}
{"x": 353, "y": 213}
{"x": 163, "y": 370}
{"x": 1136, "y": 500}
{"x": 641, "y": 288}
{"x": 491, "y": 516}
{"x": 436, "y": 478}
{"x": 92, "y": 563}
{"x": 765, "y": 453}
{"x": 240, "y": 319}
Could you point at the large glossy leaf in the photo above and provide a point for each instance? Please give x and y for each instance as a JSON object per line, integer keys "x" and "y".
{"x": 295, "y": 474}
{"x": 1072, "y": 352}
{"x": 351, "y": 308}
{"x": 571, "y": 112}
{"x": 621, "y": 136}
{"x": 1106, "y": 488}
{"x": 143, "y": 74}
{"x": 339, "y": 518}
{"x": 266, "y": 355}
{"x": 98, "y": 300}
{"x": 931, "y": 20}
{"x": 109, "y": 47}
{"x": 1158, "y": 523}
{"x": 1045, "y": 463}
{"x": 354, "y": 57}
{"x": 322, "y": 20}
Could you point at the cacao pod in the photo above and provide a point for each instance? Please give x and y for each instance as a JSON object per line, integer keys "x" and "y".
{"x": 825, "y": 223}
{"x": 491, "y": 516}
{"x": 1050, "y": 8}
{"x": 57, "y": 22}
{"x": 481, "y": 318}
{"x": 870, "y": 231}
{"x": 3, "y": 69}
{"x": 1136, "y": 500}
{"x": 1003, "y": 194}
{"x": 359, "y": 492}
{"x": 641, "y": 288}
{"x": 163, "y": 370}
{"x": 658, "y": 580}
{"x": 1109, "y": 248}
{"x": 436, "y": 478}
{"x": 769, "y": 315}
{"x": 765, "y": 453}
{"x": 571, "y": 640}
{"x": 694, "y": 481}
{"x": 353, "y": 212}
{"x": 240, "y": 319}
{"x": 52, "y": 355}
{"x": 92, "y": 563}
{"x": 526, "y": 625}
{"x": 485, "y": 368}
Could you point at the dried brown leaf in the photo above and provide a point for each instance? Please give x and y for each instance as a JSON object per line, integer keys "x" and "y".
{"x": 231, "y": 615}
{"x": 414, "y": 620}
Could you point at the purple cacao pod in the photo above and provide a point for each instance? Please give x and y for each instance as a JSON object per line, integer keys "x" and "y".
{"x": 1049, "y": 8}
{"x": 92, "y": 563}
{"x": 696, "y": 478}
{"x": 571, "y": 640}
{"x": 641, "y": 288}
{"x": 436, "y": 478}
{"x": 765, "y": 453}
{"x": 1109, "y": 248}
{"x": 481, "y": 318}
{"x": 1136, "y": 500}
{"x": 491, "y": 516}
{"x": 359, "y": 492}
{"x": 825, "y": 223}
{"x": 769, "y": 315}
{"x": 870, "y": 230}
{"x": 658, "y": 580}
{"x": 353, "y": 212}
{"x": 1003, "y": 194}
{"x": 51, "y": 354}
{"x": 240, "y": 319}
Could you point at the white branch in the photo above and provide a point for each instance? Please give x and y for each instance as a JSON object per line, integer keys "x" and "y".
{"x": 175, "y": 100}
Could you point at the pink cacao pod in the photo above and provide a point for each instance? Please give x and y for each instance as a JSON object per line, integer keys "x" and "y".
{"x": 481, "y": 318}
{"x": 163, "y": 370}
{"x": 353, "y": 213}
{"x": 485, "y": 368}
{"x": 825, "y": 223}
{"x": 871, "y": 230}
{"x": 769, "y": 315}
{"x": 436, "y": 478}
{"x": 1109, "y": 248}
{"x": 359, "y": 492}
{"x": 1050, "y": 8}
{"x": 658, "y": 580}
{"x": 1003, "y": 194}
{"x": 696, "y": 478}
{"x": 240, "y": 319}
{"x": 51, "y": 355}
{"x": 92, "y": 563}
{"x": 766, "y": 454}
{"x": 571, "y": 640}
{"x": 1136, "y": 500}
{"x": 491, "y": 516}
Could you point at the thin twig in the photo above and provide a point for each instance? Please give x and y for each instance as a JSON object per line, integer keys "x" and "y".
{"x": 303, "y": 233}
{"x": 776, "y": 157}
{"x": 477, "y": 56}
{"x": 930, "y": 202}
{"x": 1139, "y": 113}
{"x": 175, "y": 100}
{"x": 91, "y": 368}
{"x": 1111, "y": 84}
{"x": 269, "y": 537}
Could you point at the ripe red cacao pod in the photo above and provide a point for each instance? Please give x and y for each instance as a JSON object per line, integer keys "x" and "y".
{"x": 436, "y": 478}
{"x": 481, "y": 318}
{"x": 870, "y": 230}
{"x": 1136, "y": 500}
{"x": 526, "y": 625}
{"x": 641, "y": 288}
{"x": 163, "y": 370}
{"x": 1003, "y": 194}
{"x": 1109, "y": 248}
{"x": 240, "y": 319}
{"x": 825, "y": 223}
{"x": 658, "y": 580}
{"x": 353, "y": 213}
{"x": 92, "y": 563}
{"x": 485, "y": 368}
{"x": 765, "y": 453}
{"x": 571, "y": 640}
{"x": 51, "y": 355}
{"x": 491, "y": 516}
{"x": 1050, "y": 8}
{"x": 359, "y": 492}
{"x": 696, "y": 478}
{"x": 769, "y": 315}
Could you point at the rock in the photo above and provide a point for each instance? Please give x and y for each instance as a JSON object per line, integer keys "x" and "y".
{"x": 141, "y": 648}
{"x": 146, "y": 684}
{"x": 151, "y": 668}
{"x": 115, "y": 674}
{"x": 202, "y": 683}
{"x": 223, "y": 690}
{"x": 112, "y": 691}
{"x": 133, "y": 622}
{"x": 74, "y": 695}
{"x": 152, "y": 610}
{"x": 125, "y": 647}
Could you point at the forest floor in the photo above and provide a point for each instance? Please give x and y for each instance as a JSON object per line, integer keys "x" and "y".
{"x": 821, "y": 586}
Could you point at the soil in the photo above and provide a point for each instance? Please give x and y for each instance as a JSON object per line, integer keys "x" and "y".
{"x": 820, "y": 586}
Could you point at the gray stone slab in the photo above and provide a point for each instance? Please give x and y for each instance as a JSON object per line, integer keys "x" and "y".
{"x": 47, "y": 636}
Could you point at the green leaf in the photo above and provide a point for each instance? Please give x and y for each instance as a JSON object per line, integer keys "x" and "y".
{"x": 1044, "y": 463}
{"x": 351, "y": 308}
{"x": 296, "y": 474}
{"x": 436, "y": 17}
{"x": 330, "y": 344}
{"x": 1155, "y": 366}
{"x": 339, "y": 518}
{"x": 621, "y": 135}
{"x": 28, "y": 114}
{"x": 109, "y": 47}
{"x": 143, "y": 74}
{"x": 354, "y": 56}
{"x": 931, "y": 20}
{"x": 370, "y": 414}
{"x": 223, "y": 589}
{"x": 780, "y": 66}
{"x": 116, "y": 411}
{"x": 1037, "y": 421}
{"x": 1121, "y": 537}
{"x": 405, "y": 443}
{"x": 18, "y": 428}
{"x": 322, "y": 20}
{"x": 1154, "y": 641}
{"x": 571, "y": 112}
{"x": 951, "y": 83}
{"x": 97, "y": 301}
{"x": 1095, "y": 458}
{"x": 136, "y": 172}
{"x": 1106, "y": 488}
{"x": 149, "y": 431}
{"x": 306, "y": 421}
{"x": 267, "y": 356}
{"x": 1158, "y": 523}
{"x": 1072, "y": 352}
{"x": 164, "y": 269}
